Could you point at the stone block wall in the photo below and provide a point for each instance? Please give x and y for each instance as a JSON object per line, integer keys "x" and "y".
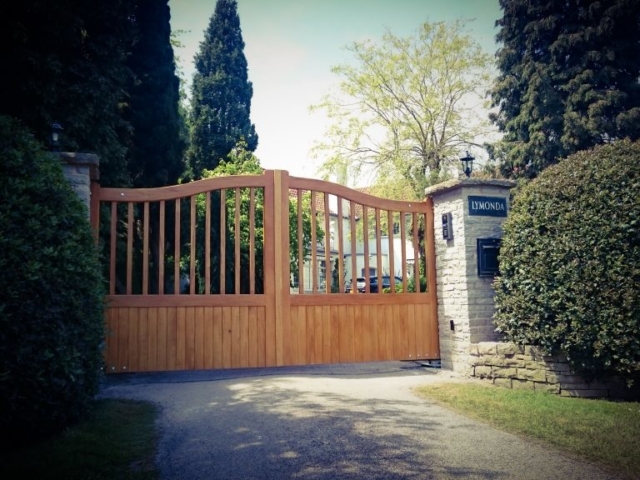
{"x": 464, "y": 298}
{"x": 80, "y": 169}
{"x": 512, "y": 366}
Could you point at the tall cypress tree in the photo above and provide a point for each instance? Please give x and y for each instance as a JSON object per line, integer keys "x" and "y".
{"x": 156, "y": 153}
{"x": 221, "y": 93}
{"x": 568, "y": 79}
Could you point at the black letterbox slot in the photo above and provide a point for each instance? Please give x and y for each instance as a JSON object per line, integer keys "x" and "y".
{"x": 488, "y": 250}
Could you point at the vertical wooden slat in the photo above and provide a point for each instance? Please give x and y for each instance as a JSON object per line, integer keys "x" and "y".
{"x": 252, "y": 242}
{"x": 392, "y": 271}
{"x": 142, "y": 338}
{"x": 358, "y": 334}
{"x": 269, "y": 268}
{"x": 312, "y": 333}
{"x": 207, "y": 244}
{"x": 253, "y": 337}
{"x": 335, "y": 334}
{"x": 172, "y": 343}
{"x": 403, "y": 246}
{"x": 235, "y": 337}
{"x": 227, "y": 326}
{"x": 112, "y": 251}
{"x": 318, "y": 334}
{"x": 192, "y": 256}
{"x": 236, "y": 265}
{"x": 145, "y": 250}
{"x": 223, "y": 242}
{"x": 176, "y": 251}
{"x": 411, "y": 331}
{"x": 161, "y": 246}
{"x": 326, "y": 333}
{"x": 301, "y": 321}
{"x": 217, "y": 337}
{"x": 281, "y": 249}
{"x": 378, "y": 250}
{"x": 416, "y": 252}
{"x": 123, "y": 339}
{"x": 161, "y": 356}
{"x": 354, "y": 258}
{"x": 314, "y": 242}
{"x": 340, "y": 248}
{"x": 152, "y": 339}
{"x": 327, "y": 246}
{"x": 262, "y": 337}
{"x": 430, "y": 254}
{"x": 132, "y": 327}
{"x": 208, "y": 338}
{"x": 129, "y": 247}
{"x": 344, "y": 321}
{"x": 365, "y": 239}
{"x": 198, "y": 340}
{"x": 190, "y": 344}
{"x": 181, "y": 338}
{"x": 244, "y": 337}
{"x": 292, "y": 345}
{"x": 301, "y": 245}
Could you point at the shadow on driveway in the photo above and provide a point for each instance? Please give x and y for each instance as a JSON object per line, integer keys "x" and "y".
{"x": 327, "y": 422}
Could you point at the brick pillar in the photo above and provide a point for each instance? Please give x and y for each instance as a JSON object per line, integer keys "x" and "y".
{"x": 80, "y": 170}
{"x": 465, "y": 299}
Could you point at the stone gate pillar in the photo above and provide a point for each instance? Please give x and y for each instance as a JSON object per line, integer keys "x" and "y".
{"x": 81, "y": 170}
{"x": 468, "y": 217}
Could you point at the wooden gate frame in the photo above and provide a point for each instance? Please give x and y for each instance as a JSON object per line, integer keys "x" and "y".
{"x": 141, "y": 325}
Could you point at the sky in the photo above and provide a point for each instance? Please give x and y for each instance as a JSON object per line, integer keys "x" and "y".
{"x": 291, "y": 45}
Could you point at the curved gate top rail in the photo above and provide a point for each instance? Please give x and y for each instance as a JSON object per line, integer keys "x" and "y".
{"x": 254, "y": 270}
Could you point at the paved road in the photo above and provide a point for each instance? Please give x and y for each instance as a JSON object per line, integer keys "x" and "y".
{"x": 329, "y": 422}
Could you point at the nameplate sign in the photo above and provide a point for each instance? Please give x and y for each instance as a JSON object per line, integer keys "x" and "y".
{"x": 488, "y": 206}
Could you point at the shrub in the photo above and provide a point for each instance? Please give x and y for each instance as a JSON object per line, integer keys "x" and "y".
{"x": 570, "y": 262}
{"x": 51, "y": 296}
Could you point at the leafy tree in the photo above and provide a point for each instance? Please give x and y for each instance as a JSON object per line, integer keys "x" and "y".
{"x": 242, "y": 162}
{"x": 568, "y": 79}
{"x": 221, "y": 93}
{"x": 406, "y": 108}
{"x": 155, "y": 156}
{"x": 570, "y": 262}
{"x": 67, "y": 64}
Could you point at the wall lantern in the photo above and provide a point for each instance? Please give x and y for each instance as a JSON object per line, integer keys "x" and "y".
{"x": 56, "y": 131}
{"x": 467, "y": 164}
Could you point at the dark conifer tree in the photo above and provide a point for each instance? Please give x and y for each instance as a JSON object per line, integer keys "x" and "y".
{"x": 65, "y": 61}
{"x": 221, "y": 93}
{"x": 568, "y": 79}
{"x": 157, "y": 148}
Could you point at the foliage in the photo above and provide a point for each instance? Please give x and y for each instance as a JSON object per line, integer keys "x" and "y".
{"x": 68, "y": 65}
{"x": 221, "y": 93}
{"x": 242, "y": 162}
{"x": 155, "y": 156}
{"x": 570, "y": 262}
{"x": 568, "y": 79}
{"x": 406, "y": 108}
{"x": 51, "y": 293}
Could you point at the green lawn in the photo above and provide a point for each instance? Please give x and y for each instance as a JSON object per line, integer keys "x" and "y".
{"x": 602, "y": 431}
{"x": 118, "y": 441}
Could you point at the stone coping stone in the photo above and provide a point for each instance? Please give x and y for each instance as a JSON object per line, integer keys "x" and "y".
{"x": 90, "y": 160}
{"x": 456, "y": 183}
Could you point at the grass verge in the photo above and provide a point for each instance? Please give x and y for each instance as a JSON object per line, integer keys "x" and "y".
{"x": 117, "y": 441}
{"x": 601, "y": 431}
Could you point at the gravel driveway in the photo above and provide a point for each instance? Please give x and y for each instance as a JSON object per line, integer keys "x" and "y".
{"x": 329, "y": 422}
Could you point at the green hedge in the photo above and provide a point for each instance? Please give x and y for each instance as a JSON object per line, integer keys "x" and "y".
{"x": 570, "y": 262}
{"x": 51, "y": 293}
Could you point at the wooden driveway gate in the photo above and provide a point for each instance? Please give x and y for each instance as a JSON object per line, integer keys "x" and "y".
{"x": 200, "y": 274}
